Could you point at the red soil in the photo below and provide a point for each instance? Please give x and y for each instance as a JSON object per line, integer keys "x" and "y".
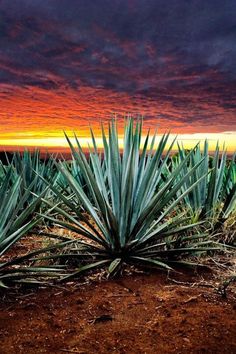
{"x": 139, "y": 313}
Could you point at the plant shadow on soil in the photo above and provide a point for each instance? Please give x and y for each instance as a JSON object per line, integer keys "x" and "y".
{"x": 137, "y": 313}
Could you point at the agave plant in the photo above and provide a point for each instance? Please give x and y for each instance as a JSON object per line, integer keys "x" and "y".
{"x": 15, "y": 222}
{"x": 131, "y": 215}
{"x": 224, "y": 228}
{"x": 229, "y": 190}
{"x": 30, "y": 166}
{"x": 14, "y": 218}
{"x": 215, "y": 196}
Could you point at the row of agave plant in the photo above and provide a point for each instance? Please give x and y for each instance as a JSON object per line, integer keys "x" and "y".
{"x": 138, "y": 205}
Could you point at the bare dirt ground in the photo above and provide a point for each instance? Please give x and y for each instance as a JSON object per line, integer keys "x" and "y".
{"x": 138, "y": 313}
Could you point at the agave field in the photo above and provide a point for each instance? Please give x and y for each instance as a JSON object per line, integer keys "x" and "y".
{"x": 134, "y": 211}
{"x": 140, "y": 205}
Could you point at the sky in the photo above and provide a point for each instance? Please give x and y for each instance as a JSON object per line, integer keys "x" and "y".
{"x": 65, "y": 65}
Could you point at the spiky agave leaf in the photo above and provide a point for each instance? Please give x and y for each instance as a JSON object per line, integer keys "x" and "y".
{"x": 29, "y": 269}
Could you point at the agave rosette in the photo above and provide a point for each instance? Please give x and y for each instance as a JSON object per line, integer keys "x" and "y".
{"x": 130, "y": 214}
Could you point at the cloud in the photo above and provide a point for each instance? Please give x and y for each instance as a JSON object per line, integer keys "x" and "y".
{"x": 178, "y": 56}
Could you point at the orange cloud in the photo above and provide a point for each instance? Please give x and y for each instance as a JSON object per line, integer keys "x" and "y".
{"x": 34, "y": 116}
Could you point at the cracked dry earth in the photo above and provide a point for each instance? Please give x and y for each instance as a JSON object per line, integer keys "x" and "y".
{"x": 139, "y": 313}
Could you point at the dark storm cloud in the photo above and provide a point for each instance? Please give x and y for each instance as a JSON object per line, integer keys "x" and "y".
{"x": 131, "y": 46}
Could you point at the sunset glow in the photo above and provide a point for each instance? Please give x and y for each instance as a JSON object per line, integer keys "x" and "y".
{"x": 62, "y": 68}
